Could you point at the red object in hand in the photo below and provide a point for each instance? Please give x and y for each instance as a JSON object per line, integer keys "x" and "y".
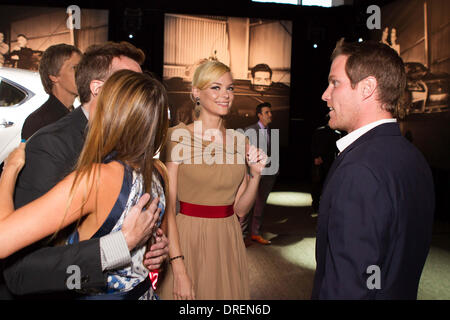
{"x": 153, "y": 275}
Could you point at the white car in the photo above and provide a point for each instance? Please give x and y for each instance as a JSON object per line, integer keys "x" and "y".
{"x": 21, "y": 93}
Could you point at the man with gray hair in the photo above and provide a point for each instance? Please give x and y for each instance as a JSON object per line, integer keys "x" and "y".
{"x": 57, "y": 71}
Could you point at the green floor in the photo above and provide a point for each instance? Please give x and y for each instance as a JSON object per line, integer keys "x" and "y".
{"x": 435, "y": 281}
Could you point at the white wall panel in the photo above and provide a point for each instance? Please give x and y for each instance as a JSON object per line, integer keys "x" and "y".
{"x": 189, "y": 39}
{"x": 271, "y": 43}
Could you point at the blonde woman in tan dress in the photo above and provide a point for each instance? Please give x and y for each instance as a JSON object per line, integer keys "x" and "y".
{"x": 214, "y": 174}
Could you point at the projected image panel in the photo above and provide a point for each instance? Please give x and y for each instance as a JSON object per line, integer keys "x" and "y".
{"x": 28, "y": 31}
{"x": 244, "y": 44}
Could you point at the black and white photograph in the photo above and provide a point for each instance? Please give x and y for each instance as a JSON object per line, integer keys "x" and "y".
{"x": 258, "y": 51}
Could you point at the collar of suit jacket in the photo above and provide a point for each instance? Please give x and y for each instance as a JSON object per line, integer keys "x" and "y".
{"x": 347, "y": 140}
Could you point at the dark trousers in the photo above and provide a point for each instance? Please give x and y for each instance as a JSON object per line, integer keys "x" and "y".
{"x": 255, "y": 216}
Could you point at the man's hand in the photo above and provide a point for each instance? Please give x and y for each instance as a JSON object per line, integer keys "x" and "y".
{"x": 158, "y": 252}
{"x": 318, "y": 161}
{"x": 138, "y": 225}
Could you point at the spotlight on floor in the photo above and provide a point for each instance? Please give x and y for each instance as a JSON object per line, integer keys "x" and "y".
{"x": 301, "y": 253}
{"x": 290, "y": 199}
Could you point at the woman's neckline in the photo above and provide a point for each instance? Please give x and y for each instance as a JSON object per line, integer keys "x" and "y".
{"x": 191, "y": 131}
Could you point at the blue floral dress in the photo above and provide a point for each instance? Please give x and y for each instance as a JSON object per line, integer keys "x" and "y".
{"x": 131, "y": 282}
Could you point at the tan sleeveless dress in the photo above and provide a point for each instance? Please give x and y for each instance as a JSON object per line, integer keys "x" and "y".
{"x": 213, "y": 248}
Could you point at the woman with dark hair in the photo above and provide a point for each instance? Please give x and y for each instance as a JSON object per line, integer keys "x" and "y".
{"x": 116, "y": 167}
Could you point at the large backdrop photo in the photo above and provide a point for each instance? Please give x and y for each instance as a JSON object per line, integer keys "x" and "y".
{"x": 258, "y": 52}
{"x": 420, "y": 31}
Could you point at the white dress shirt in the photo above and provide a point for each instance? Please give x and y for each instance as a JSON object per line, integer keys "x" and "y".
{"x": 347, "y": 140}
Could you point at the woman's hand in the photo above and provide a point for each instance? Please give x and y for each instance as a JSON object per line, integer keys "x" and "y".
{"x": 182, "y": 287}
{"x": 16, "y": 159}
{"x": 256, "y": 160}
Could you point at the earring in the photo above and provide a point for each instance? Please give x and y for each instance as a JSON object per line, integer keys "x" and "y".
{"x": 197, "y": 101}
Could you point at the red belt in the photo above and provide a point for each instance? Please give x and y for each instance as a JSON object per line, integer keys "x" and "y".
{"x": 201, "y": 211}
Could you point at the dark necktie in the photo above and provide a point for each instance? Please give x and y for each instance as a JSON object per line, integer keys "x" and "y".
{"x": 268, "y": 140}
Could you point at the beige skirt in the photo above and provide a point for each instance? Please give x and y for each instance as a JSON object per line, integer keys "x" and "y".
{"x": 215, "y": 259}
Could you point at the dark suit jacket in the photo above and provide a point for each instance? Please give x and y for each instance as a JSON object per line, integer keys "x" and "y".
{"x": 51, "y": 111}
{"x": 25, "y": 58}
{"x": 50, "y": 155}
{"x": 261, "y": 143}
{"x": 376, "y": 209}
{"x": 323, "y": 144}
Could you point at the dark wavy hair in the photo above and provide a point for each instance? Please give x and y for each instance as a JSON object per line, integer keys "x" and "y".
{"x": 96, "y": 64}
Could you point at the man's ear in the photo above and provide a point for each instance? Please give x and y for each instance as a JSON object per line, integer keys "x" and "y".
{"x": 368, "y": 87}
{"x": 95, "y": 86}
{"x": 53, "y": 78}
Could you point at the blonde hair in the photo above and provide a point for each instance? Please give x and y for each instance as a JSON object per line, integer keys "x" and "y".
{"x": 206, "y": 73}
{"x": 131, "y": 120}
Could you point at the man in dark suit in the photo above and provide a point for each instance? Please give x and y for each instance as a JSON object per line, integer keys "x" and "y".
{"x": 260, "y": 135}
{"x": 50, "y": 155}
{"x": 376, "y": 210}
{"x": 22, "y": 55}
{"x": 57, "y": 71}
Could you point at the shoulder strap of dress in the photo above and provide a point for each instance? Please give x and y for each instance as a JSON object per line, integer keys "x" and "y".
{"x": 119, "y": 205}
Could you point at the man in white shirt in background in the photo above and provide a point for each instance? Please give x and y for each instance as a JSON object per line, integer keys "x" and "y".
{"x": 254, "y": 219}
